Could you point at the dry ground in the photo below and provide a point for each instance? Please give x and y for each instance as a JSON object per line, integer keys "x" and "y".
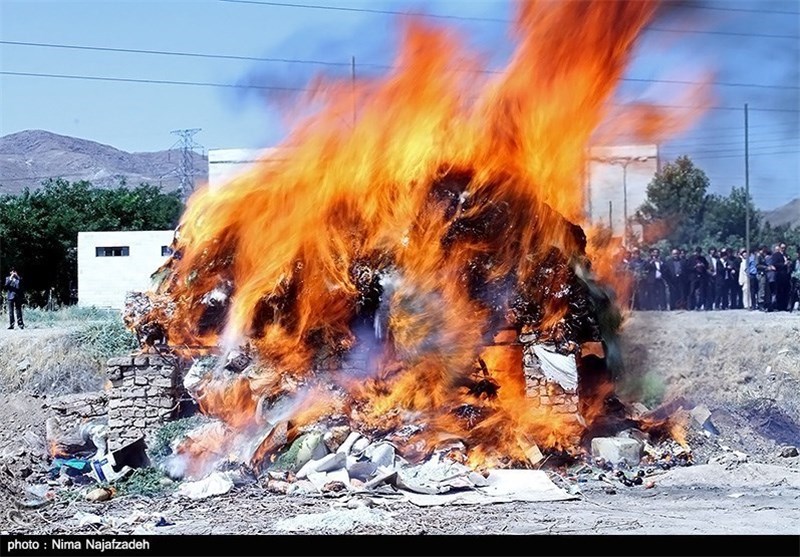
{"x": 744, "y": 366}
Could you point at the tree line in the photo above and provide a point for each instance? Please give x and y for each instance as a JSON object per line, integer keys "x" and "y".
{"x": 680, "y": 212}
{"x": 39, "y": 229}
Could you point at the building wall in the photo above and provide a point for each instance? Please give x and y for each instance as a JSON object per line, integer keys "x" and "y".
{"x": 605, "y": 175}
{"x": 104, "y": 281}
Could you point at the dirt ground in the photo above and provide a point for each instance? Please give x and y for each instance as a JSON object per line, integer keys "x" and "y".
{"x": 744, "y": 366}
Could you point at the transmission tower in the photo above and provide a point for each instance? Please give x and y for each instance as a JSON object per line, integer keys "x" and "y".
{"x": 187, "y": 146}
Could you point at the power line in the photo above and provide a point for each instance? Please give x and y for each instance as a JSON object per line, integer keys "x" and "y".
{"x": 302, "y": 89}
{"x": 344, "y": 64}
{"x": 747, "y": 10}
{"x": 152, "y": 81}
{"x": 485, "y": 19}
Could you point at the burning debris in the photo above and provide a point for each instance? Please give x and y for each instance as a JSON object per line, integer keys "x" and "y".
{"x": 418, "y": 277}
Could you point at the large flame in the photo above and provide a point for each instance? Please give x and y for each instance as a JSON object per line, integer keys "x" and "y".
{"x": 410, "y": 231}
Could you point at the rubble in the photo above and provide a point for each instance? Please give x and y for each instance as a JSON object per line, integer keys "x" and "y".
{"x": 788, "y": 452}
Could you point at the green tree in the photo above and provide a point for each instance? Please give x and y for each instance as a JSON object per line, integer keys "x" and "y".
{"x": 39, "y": 230}
{"x": 724, "y": 219}
{"x": 676, "y": 202}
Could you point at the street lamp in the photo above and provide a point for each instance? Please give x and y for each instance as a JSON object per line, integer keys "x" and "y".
{"x": 624, "y": 162}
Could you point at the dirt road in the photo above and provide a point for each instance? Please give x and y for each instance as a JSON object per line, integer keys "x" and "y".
{"x": 744, "y": 366}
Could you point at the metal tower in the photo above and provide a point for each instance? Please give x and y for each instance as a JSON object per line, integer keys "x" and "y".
{"x": 187, "y": 146}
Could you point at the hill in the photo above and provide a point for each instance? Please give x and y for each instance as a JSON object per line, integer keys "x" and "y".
{"x": 785, "y": 214}
{"x": 29, "y": 157}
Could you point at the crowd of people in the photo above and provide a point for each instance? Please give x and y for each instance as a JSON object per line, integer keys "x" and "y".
{"x": 764, "y": 279}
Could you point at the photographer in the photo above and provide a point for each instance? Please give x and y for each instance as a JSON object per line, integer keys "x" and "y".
{"x": 13, "y": 287}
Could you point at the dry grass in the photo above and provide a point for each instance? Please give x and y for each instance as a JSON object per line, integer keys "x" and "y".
{"x": 63, "y": 351}
{"x": 728, "y": 357}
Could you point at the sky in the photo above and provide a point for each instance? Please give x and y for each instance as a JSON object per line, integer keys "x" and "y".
{"x": 750, "y": 47}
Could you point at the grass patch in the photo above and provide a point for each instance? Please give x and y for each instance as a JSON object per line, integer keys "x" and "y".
{"x": 105, "y": 339}
{"x": 146, "y": 482}
{"x": 68, "y": 314}
{"x": 160, "y": 447}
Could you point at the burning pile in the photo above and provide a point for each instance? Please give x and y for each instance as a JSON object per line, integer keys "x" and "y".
{"x": 359, "y": 281}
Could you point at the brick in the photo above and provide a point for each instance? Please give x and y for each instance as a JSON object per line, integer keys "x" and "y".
{"x": 137, "y": 392}
{"x": 140, "y": 361}
{"x": 140, "y": 423}
{"x": 120, "y": 361}
{"x": 166, "y": 403}
{"x": 156, "y": 360}
{"x": 140, "y": 402}
{"x": 162, "y": 382}
{"x": 140, "y": 381}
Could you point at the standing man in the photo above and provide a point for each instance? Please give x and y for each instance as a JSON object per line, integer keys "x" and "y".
{"x": 752, "y": 275}
{"x": 795, "y": 280}
{"x": 744, "y": 279}
{"x": 716, "y": 280}
{"x": 732, "y": 296}
{"x": 635, "y": 265}
{"x": 697, "y": 280}
{"x": 676, "y": 278}
{"x": 656, "y": 294}
{"x": 763, "y": 269}
{"x": 781, "y": 262}
{"x": 13, "y": 287}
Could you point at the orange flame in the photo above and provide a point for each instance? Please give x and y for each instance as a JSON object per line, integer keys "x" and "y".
{"x": 459, "y": 190}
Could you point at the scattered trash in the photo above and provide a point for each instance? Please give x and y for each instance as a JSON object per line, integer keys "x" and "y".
{"x": 329, "y": 462}
{"x": 217, "y": 483}
{"x": 736, "y": 495}
{"x": 100, "y": 494}
{"x": 118, "y": 464}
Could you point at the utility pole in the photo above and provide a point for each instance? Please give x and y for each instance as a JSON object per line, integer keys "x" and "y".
{"x": 353, "y": 86}
{"x": 610, "y": 222}
{"x": 746, "y": 182}
{"x": 187, "y": 147}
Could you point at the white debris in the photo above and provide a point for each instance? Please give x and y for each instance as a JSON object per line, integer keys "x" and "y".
{"x": 216, "y": 483}
{"x": 504, "y": 486}
{"x": 617, "y": 449}
{"x": 348, "y": 443}
{"x": 558, "y": 367}
{"x": 380, "y": 454}
{"x": 327, "y": 463}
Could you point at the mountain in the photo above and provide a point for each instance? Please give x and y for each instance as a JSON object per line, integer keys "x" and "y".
{"x": 789, "y": 213}
{"x": 31, "y": 156}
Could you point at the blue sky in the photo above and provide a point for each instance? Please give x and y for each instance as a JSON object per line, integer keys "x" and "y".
{"x": 140, "y": 116}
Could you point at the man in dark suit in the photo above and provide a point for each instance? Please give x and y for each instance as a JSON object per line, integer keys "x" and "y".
{"x": 676, "y": 276}
{"x": 13, "y": 287}
{"x": 733, "y": 292}
{"x": 780, "y": 279}
{"x": 698, "y": 266}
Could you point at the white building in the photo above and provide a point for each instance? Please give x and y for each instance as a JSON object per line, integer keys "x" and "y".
{"x": 111, "y": 264}
{"x": 616, "y": 183}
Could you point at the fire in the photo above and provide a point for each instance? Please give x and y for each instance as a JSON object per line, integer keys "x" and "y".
{"x": 445, "y": 210}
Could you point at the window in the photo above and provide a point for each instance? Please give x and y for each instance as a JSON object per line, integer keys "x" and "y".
{"x": 166, "y": 251}
{"x": 114, "y": 251}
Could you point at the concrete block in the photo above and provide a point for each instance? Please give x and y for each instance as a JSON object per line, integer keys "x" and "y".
{"x": 140, "y": 423}
{"x": 127, "y": 382}
{"x": 137, "y": 392}
{"x": 140, "y": 381}
{"x": 140, "y": 360}
{"x": 617, "y": 449}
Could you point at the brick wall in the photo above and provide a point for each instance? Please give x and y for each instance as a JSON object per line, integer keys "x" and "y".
{"x": 144, "y": 395}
